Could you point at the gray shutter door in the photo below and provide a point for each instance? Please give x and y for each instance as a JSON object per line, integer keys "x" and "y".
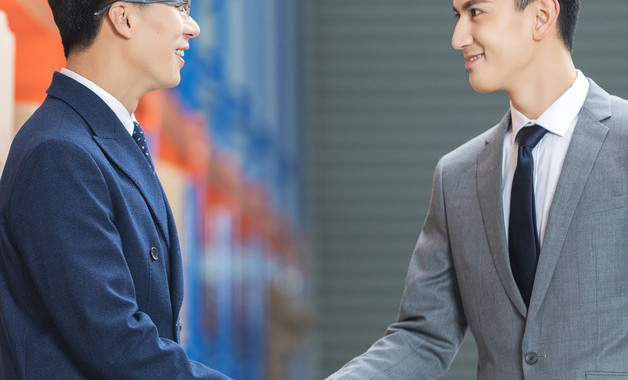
{"x": 387, "y": 97}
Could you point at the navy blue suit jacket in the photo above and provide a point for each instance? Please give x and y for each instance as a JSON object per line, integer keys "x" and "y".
{"x": 90, "y": 267}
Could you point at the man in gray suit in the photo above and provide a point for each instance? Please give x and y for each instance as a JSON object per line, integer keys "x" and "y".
{"x": 529, "y": 252}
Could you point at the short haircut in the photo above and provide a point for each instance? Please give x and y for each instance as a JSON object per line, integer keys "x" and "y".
{"x": 567, "y": 18}
{"x": 77, "y": 24}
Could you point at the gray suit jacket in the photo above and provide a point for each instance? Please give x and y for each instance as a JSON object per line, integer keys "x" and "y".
{"x": 460, "y": 277}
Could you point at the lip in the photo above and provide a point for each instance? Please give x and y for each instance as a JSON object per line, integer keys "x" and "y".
{"x": 472, "y": 59}
{"x": 182, "y": 49}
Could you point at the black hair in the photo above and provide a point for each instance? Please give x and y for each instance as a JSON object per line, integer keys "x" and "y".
{"x": 567, "y": 18}
{"x": 76, "y": 22}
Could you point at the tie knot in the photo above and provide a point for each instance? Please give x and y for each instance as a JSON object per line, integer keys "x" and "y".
{"x": 530, "y": 136}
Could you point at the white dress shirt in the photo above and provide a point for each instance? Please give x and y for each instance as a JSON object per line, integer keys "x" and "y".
{"x": 549, "y": 154}
{"x": 113, "y": 103}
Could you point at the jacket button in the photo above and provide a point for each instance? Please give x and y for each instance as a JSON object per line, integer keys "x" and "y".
{"x": 532, "y": 358}
{"x": 154, "y": 253}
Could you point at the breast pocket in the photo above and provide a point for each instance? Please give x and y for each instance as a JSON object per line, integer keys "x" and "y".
{"x": 601, "y": 197}
{"x": 606, "y": 375}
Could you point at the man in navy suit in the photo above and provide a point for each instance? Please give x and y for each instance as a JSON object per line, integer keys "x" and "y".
{"x": 90, "y": 269}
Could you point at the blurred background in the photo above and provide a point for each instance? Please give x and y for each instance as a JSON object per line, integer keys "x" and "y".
{"x": 297, "y": 154}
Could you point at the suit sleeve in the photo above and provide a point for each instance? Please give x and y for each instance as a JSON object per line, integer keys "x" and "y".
{"x": 65, "y": 227}
{"x": 431, "y": 324}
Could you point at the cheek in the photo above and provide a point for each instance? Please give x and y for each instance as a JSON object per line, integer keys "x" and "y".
{"x": 502, "y": 52}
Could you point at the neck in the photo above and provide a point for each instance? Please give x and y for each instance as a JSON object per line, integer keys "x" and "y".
{"x": 549, "y": 79}
{"x": 110, "y": 72}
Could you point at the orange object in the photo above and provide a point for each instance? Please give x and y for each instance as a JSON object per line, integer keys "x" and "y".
{"x": 38, "y": 47}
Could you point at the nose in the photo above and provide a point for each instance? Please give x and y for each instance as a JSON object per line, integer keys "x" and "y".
{"x": 462, "y": 35}
{"x": 191, "y": 28}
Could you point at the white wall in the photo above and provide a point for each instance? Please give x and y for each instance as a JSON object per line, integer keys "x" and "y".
{"x": 7, "y": 87}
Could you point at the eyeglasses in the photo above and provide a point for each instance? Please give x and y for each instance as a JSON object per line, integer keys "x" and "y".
{"x": 183, "y": 6}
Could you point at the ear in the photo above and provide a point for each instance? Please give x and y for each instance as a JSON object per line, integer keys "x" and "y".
{"x": 119, "y": 18}
{"x": 546, "y": 18}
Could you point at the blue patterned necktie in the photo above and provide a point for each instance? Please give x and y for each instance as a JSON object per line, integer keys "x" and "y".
{"x": 140, "y": 140}
{"x": 523, "y": 239}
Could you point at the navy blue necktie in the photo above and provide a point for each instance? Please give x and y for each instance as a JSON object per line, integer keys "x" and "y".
{"x": 523, "y": 239}
{"x": 140, "y": 140}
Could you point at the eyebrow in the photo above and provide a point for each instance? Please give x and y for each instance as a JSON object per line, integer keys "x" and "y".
{"x": 466, "y": 6}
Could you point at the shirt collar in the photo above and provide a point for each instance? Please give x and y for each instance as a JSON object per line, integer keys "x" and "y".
{"x": 121, "y": 112}
{"x": 560, "y": 115}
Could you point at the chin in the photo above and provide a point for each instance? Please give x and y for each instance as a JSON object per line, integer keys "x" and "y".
{"x": 481, "y": 86}
{"x": 173, "y": 82}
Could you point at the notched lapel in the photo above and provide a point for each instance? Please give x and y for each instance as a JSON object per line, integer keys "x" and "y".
{"x": 586, "y": 142}
{"x": 129, "y": 159}
{"x": 489, "y": 182}
{"x": 114, "y": 141}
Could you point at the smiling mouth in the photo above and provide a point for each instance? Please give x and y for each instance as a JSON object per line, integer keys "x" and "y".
{"x": 473, "y": 58}
{"x": 179, "y": 52}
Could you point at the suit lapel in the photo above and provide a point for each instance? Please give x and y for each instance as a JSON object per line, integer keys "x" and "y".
{"x": 489, "y": 182}
{"x": 115, "y": 142}
{"x": 124, "y": 153}
{"x": 176, "y": 266}
{"x": 586, "y": 142}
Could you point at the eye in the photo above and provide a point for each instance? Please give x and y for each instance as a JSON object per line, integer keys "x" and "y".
{"x": 184, "y": 9}
{"x": 475, "y": 12}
